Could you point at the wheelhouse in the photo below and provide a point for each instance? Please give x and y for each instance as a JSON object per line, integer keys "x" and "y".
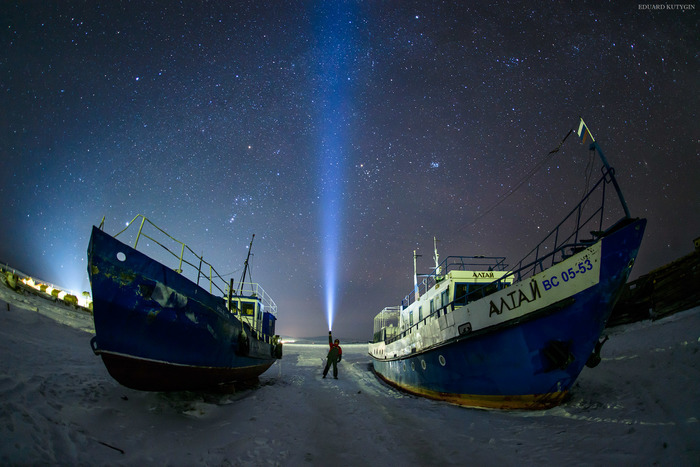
{"x": 253, "y": 307}
{"x": 457, "y": 281}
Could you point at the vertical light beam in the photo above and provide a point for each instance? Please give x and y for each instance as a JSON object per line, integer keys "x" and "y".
{"x": 331, "y": 218}
{"x": 333, "y": 27}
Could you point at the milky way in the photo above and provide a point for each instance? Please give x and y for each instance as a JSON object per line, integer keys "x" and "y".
{"x": 364, "y": 128}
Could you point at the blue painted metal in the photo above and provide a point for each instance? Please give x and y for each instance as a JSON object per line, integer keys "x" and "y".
{"x": 508, "y": 367}
{"x": 157, "y": 330}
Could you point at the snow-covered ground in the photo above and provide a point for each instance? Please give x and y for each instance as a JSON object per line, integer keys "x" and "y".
{"x": 58, "y": 405}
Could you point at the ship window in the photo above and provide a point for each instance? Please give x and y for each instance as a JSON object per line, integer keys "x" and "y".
{"x": 432, "y": 306}
{"x": 445, "y": 299}
{"x": 476, "y": 292}
{"x": 442, "y": 360}
{"x": 247, "y": 308}
{"x": 479, "y": 291}
{"x": 423, "y": 364}
{"x": 491, "y": 288}
{"x": 420, "y": 313}
{"x": 461, "y": 294}
{"x": 121, "y": 256}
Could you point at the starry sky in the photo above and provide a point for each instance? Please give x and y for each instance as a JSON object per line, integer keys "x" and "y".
{"x": 343, "y": 134}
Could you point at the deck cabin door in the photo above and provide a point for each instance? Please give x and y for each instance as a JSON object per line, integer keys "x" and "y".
{"x": 258, "y": 317}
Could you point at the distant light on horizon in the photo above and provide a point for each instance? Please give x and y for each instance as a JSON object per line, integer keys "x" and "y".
{"x": 82, "y": 299}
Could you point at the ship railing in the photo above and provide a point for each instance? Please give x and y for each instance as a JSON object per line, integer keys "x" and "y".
{"x": 388, "y": 318}
{"x": 388, "y": 338}
{"x": 255, "y": 290}
{"x": 580, "y": 228}
{"x": 189, "y": 263}
{"x": 455, "y": 263}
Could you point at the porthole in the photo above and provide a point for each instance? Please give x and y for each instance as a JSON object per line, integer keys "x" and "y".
{"x": 413, "y": 366}
{"x": 442, "y": 360}
{"x": 121, "y": 256}
{"x": 404, "y": 366}
{"x": 422, "y": 364}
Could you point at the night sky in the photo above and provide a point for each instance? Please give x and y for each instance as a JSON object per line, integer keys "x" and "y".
{"x": 344, "y": 135}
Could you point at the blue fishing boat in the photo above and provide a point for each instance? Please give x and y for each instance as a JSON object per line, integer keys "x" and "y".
{"x": 479, "y": 333}
{"x": 158, "y": 330}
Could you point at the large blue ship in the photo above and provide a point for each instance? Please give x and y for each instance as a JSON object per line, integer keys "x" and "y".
{"x": 478, "y": 333}
{"x": 158, "y": 330}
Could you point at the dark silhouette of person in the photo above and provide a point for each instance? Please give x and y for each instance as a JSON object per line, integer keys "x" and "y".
{"x": 335, "y": 354}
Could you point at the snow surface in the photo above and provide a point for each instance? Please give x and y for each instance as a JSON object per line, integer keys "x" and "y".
{"x": 59, "y": 405}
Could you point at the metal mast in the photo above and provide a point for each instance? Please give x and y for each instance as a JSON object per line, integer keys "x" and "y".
{"x": 245, "y": 266}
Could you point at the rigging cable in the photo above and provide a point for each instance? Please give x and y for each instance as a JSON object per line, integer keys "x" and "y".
{"x": 528, "y": 176}
{"x": 589, "y": 173}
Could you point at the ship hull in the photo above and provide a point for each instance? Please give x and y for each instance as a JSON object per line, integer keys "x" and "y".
{"x": 532, "y": 360}
{"x": 156, "y": 330}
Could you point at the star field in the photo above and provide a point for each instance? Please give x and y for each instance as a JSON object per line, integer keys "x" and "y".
{"x": 364, "y": 128}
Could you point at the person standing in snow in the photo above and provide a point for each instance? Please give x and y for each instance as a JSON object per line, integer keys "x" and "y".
{"x": 335, "y": 354}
